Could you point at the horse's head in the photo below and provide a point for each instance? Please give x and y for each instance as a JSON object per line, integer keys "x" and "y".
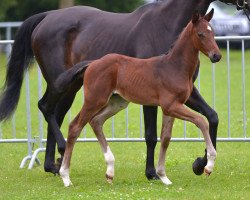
{"x": 203, "y": 36}
{"x": 240, "y": 4}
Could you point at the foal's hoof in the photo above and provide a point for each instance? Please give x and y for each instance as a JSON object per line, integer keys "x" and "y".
{"x": 198, "y": 166}
{"x": 109, "y": 179}
{"x": 151, "y": 175}
{"x": 207, "y": 171}
{"x": 165, "y": 180}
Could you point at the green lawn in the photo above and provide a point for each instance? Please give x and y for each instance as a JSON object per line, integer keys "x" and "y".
{"x": 230, "y": 179}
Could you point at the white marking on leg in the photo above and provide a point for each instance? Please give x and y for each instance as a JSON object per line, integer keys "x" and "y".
{"x": 64, "y": 173}
{"x": 166, "y": 134}
{"x": 110, "y": 161}
{"x": 210, "y": 163}
{"x": 162, "y": 175}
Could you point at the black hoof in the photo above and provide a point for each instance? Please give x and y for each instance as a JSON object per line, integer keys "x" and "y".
{"x": 54, "y": 169}
{"x": 199, "y": 165}
{"x": 151, "y": 175}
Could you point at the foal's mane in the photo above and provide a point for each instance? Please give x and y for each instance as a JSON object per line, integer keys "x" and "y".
{"x": 179, "y": 37}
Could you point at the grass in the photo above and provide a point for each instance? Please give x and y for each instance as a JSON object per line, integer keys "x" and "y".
{"x": 230, "y": 180}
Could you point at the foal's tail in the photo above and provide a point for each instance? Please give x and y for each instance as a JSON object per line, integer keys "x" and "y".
{"x": 64, "y": 81}
{"x": 20, "y": 58}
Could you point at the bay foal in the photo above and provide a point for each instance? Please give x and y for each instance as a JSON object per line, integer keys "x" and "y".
{"x": 164, "y": 81}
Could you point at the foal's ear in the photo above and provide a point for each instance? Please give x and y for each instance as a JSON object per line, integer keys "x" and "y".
{"x": 195, "y": 17}
{"x": 209, "y": 15}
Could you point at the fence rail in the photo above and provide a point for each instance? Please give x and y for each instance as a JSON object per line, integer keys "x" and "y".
{"x": 30, "y": 140}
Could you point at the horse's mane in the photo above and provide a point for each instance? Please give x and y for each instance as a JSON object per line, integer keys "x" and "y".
{"x": 147, "y": 6}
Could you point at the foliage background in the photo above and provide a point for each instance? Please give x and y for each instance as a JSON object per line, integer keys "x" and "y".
{"x": 16, "y": 10}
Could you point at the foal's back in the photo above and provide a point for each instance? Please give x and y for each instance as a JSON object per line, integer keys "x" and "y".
{"x": 118, "y": 72}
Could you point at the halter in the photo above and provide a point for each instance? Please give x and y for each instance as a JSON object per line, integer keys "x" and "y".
{"x": 241, "y": 4}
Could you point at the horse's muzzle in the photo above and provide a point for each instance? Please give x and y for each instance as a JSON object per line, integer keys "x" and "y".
{"x": 215, "y": 57}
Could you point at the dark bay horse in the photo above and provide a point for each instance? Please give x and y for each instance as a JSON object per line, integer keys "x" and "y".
{"x": 61, "y": 38}
{"x": 147, "y": 82}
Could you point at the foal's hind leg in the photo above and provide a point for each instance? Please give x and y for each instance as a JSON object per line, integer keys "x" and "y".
{"x": 115, "y": 104}
{"x": 180, "y": 111}
{"x": 89, "y": 110}
{"x": 166, "y": 134}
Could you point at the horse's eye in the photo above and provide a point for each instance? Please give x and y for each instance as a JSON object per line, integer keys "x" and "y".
{"x": 200, "y": 34}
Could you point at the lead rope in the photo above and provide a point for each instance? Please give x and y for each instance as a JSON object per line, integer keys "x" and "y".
{"x": 246, "y": 13}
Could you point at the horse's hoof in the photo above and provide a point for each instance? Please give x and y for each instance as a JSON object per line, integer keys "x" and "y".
{"x": 109, "y": 179}
{"x": 151, "y": 175}
{"x": 52, "y": 169}
{"x": 198, "y": 166}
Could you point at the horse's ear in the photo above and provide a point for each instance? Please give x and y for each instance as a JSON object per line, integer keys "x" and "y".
{"x": 209, "y": 15}
{"x": 195, "y": 17}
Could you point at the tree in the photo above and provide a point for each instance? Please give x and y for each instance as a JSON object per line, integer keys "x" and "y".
{"x": 66, "y": 3}
{"x": 25, "y": 8}
{"x": 112, "y": 5}
{"x": 4, "y": 6}
{"x": 16, "y": 10}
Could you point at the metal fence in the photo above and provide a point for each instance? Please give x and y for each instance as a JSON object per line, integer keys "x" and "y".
{"x": 38, "y": 139}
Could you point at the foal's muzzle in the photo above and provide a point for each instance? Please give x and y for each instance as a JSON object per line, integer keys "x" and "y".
{"x": 215, "y": 57}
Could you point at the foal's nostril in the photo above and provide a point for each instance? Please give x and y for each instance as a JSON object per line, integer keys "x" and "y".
{"x": 216, "y": 58}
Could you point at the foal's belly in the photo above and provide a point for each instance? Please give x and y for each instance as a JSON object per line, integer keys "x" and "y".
{"x": 142, "y": 98}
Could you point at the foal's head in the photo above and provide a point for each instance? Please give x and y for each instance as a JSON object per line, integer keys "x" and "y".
{"x": 203, "y": 36}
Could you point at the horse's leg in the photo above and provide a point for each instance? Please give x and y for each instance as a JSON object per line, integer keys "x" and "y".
{"x": 48, "y": 106}
{"x": 197, "y": 103}
{"x": 180, "y": 111}
{"x": 49, "y": 163}
{"x": 115, "y": 104}
{"x": 62, "y": 108}
{"x": 150, "y": 122}
{"x": 166, "y": 134}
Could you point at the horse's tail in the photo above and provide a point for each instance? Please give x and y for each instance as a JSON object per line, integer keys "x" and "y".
{"x": 64, "y": 81}
{"x": 20, "y": 57}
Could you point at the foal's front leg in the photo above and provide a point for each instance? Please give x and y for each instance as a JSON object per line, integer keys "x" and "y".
{"x": 197, "y": 103}
{"x": 179, "y": 111}
{"x": 166, "y": 134}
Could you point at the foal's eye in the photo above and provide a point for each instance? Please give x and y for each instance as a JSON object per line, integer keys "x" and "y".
{"x": 200, "y": 34}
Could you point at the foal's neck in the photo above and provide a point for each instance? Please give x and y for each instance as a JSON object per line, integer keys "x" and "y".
{"x": 184, "y": 55}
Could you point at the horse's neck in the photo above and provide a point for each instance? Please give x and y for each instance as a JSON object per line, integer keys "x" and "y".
{"x": 181, "y": 11}
{"x": 184, "y": 55}
{"x": 169, "y": 17}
